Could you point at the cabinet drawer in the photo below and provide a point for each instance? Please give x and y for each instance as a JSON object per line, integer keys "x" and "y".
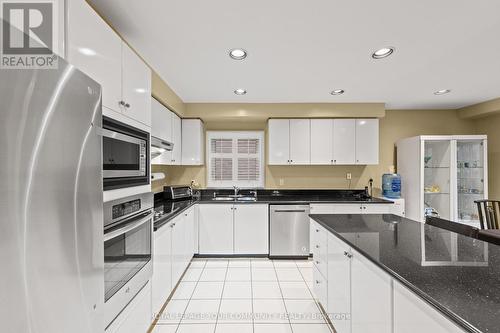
{"x": 320, "y": 287}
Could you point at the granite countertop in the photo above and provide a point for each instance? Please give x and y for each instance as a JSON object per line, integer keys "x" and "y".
{"x": 173, "y": 208}
{"x": 467, "y": 291}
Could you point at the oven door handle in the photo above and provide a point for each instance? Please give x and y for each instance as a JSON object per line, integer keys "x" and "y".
{"x": 128, "y": 227}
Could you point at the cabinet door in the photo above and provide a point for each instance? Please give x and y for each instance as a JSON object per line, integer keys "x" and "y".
{"x": 339, "y": 284}
{"x": 136, "y": 87}
{"x": 251, "y": 227}
{"x": 367, "y": 141}
{"x": 321, "y": 141}
{"x": 413, "y": 315}
{"x": 189, "y": 235}
{"x": 192, "y": 142}
{"x": 94, "y": 48}
{"x": 371, "y": 307}
{"x": 178, "y": 248}
{"x": 344, "y": 141}
{"x": 216, "y": 229}
{"x": 161, "y": 125}
{"x": 162, "y": 267}
{"x": 176, "y": 139}
{"x": 279, "y": 142}
{"x": 300, "y": 141}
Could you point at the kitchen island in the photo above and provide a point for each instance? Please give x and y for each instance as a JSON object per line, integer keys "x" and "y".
{"x": 385, "y": 273}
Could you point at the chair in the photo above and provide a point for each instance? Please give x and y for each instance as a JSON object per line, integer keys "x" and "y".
{"x": 488, "y": 210}
{"x": 459, "y": 228}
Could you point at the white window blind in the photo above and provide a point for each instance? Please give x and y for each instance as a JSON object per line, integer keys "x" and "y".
{"x": 235, "y": 159}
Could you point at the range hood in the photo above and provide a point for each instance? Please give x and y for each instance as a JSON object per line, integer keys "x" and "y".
{"x": 159, "y": 146}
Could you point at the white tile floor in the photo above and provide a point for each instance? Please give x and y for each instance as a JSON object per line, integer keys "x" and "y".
{"x": 244, "y": 296}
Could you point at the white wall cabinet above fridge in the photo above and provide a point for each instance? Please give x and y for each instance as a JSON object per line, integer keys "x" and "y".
{"x": 323, "y": 141}
{"x": 443, "y": 176}
{"x": 94, "y": 48}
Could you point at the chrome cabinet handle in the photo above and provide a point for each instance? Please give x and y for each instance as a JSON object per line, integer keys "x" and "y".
{"x": 317, "y": 262}
{"x": 127, "y": 105}
{"x": 122, "y": 103}
{"x": 318, "y": 281}
{"x": 317, "y": 230}
{"x": 347, "y": 254}
{"x": 317, "y": 246}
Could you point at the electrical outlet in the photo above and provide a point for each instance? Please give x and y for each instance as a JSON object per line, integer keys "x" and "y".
{"x": 282, "y": 182}
{"x": 348, "y": 176}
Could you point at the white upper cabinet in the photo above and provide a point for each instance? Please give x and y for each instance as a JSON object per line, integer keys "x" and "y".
{"x": 177, "y": 140}
{"x": 161, "y": 125}
{"x": 367, "y": 133}
{"x": 94, "y": 48}
{"x": 192, "y": 142}
{"x": 344, "y": 141}
{"x": 279, "y": 142}
{"x": 136, "y": 87}
{"x": 321, "y": 141}
{"x": 300, "y": 141}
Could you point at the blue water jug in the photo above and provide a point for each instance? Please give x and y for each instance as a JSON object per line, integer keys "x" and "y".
{"x": 391, "y": 185}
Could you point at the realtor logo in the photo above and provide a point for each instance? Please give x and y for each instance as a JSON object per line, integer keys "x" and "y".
{"x": 28, "y": 34}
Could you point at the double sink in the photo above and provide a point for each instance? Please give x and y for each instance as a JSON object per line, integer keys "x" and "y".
{"x": 237, "y": 197}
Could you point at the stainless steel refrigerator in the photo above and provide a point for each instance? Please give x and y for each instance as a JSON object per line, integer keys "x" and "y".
{"x": 51, "y": 230}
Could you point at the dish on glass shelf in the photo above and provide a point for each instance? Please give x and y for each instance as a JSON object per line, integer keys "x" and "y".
{"x": 432, "y": 189}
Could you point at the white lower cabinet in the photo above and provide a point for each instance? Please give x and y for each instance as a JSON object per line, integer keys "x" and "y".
{"x": 162, "y": 267}
{"x": 233, "y": 229}
{"x": 361, "y": 297}
{"x": 136, "y": 317}
{"x": 216, "y": 228}
{"x": 173, "y": 250}
{"x": 251, "y": 229}
{"x": 413, "y": 315}
{"x": 352, "y": 208}
{"x": 371, "y": 304}
{"x": 339, "y": 284}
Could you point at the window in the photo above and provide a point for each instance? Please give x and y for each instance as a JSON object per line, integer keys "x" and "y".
{"x": 235, "y": 159}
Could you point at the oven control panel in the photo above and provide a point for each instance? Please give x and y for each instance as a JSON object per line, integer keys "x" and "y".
{"x": 126, "y": 208}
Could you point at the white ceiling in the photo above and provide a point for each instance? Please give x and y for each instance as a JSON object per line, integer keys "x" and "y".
{"x": 300, "y": 50}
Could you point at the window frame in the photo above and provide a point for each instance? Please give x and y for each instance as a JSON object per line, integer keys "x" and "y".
{"x": 235, "y": 135}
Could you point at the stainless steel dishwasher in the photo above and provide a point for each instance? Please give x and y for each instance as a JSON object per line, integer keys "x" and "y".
{"x": 289, "y": 231}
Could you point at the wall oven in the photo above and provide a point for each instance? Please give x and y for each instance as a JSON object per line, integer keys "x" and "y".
{"x": 125, "y": 155}
{"x": 128, "y": 232}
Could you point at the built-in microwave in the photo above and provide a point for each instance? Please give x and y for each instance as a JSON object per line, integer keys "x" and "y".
{"x": 125, "y": 155}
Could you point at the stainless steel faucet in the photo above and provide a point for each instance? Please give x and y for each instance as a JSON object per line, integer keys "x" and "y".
{"x": 254, "y": 193}
{"x": 236, "y": 190}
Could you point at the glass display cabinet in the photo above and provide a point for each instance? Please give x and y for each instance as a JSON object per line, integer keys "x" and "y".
{"x": 443, "y": 175}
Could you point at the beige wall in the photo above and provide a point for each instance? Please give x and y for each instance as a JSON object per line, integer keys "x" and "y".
{"x": 491, "y": 127}
{"x": 395, "y": 125}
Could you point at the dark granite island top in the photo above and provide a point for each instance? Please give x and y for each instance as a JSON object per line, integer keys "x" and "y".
{"x": 464, "y": 286}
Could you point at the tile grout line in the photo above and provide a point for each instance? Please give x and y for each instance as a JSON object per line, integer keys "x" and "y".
{"x": 251, "y": 297}
{"x": 220, "y": 300}
{"x": 283, "y": 297}
{"x": 190, "y": 297}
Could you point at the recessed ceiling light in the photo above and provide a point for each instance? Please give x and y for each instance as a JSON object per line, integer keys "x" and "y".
{"x": 442, "y": 92}
{"x": 383, "y": 53}
{"x": 238, "y": 54}
{"x": 240, "y": 91}
{"x": 337, "y": 92}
